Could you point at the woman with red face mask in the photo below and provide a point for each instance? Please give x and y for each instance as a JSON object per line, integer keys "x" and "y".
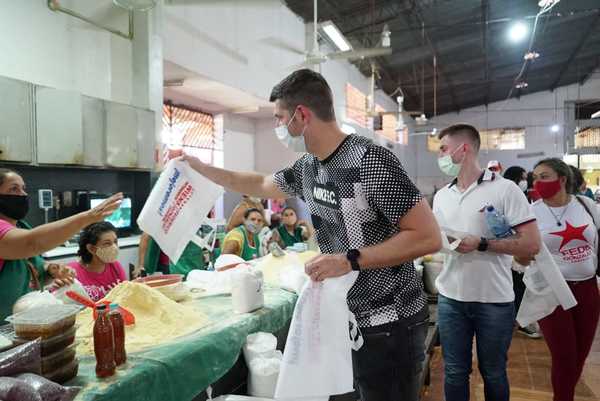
{"x": 566, "y": 223}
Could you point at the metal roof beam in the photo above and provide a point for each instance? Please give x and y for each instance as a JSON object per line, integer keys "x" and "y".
{"x": 594, "y": 24}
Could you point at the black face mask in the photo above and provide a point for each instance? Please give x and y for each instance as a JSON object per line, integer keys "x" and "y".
{"x": 14, "y": 206}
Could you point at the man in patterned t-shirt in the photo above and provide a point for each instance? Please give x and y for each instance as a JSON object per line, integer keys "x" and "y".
{"x": 368, "y": 216}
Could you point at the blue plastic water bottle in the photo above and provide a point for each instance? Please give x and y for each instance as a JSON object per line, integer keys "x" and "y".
{"x": 496, "y": 222}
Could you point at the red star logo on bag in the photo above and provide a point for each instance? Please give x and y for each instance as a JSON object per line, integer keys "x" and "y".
{"x": 571, "y": 233}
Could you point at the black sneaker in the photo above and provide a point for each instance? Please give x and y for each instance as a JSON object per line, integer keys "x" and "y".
{"x": 529, "y": 332}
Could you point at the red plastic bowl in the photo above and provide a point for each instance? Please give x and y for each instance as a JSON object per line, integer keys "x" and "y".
{"x": 159, "y": 281}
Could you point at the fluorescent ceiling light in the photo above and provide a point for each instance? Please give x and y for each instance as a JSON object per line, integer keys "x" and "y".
{"x": 517, "y": 32}
{"x": 334, "y": 34}
{"x": 555, "y": 128}
{"x": 596, "y": 114}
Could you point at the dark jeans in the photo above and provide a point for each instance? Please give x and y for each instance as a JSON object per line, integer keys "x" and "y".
{"x": 492, "y": 325}
{"x": 387, "y": 366}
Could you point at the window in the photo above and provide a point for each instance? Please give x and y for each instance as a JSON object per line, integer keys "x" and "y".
{"x": 491, "y": 139}
{"x": 587, "y": 138}
{"x": 433, "y": 144}
{"x": 388, "y": 127}
{"x": 503, "y": 139}
{"x": 356, "y": 105}
{"x": 189, "y": 130}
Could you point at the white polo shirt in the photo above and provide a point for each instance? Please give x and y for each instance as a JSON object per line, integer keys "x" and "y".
{"x": 479, "y": 276}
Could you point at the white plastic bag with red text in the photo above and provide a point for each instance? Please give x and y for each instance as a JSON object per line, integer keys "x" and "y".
{"x": 177, "y": 206}
{"x": 317, "y": 361}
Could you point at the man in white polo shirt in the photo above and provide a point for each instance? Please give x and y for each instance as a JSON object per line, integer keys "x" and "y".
{"x": 475, "y": 286}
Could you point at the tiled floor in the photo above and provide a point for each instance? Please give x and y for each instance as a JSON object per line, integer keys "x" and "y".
{"x": 528, "y": 371}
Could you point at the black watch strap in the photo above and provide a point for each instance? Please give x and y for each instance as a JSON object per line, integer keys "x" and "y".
{"x": 483, "y": 245}
{"x": 352, "y": 255}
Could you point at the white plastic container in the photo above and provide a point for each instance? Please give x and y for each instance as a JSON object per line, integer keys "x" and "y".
{"x": 258, "y": 344}
{"x": 263, "y": 373}
{"x": 247, "y": 292}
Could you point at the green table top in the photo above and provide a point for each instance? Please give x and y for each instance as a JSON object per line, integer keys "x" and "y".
{"x": 183, "y": 368}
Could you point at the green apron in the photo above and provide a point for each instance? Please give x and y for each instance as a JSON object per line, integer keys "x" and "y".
{"x": 249, "y": 252}
{"x": 16, "y": 279}
{"x": 289, "y": 240}
{"x": 191, "y": 258}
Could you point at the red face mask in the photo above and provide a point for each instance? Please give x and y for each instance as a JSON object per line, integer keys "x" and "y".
{"x": 547, "y": 189}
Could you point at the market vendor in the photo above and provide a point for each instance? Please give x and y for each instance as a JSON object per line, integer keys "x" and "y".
{"x": 152, "y": 259}
{"x": 291, "y": 230}
{"x": 98, "y": 269}
{"x": 237, "y": 216}
{"x": 243, "y": 240}
{"x": 21, "y": 267}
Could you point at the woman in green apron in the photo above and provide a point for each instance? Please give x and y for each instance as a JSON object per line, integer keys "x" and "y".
{"x": 243, "y": 240}
{"x": 21, "y": 269}
{"x": 291, "y": 229}
{"x": 152, "y": 259}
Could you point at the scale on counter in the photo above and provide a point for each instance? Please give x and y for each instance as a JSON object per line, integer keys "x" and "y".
{"x": 45, "y": 201}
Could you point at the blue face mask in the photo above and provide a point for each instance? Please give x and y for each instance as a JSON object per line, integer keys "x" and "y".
{"x": 295, "y": 143}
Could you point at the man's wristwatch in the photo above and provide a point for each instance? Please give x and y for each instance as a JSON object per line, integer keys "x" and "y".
{"x": 352, "y": 255}
{"x": 483, "y": 245}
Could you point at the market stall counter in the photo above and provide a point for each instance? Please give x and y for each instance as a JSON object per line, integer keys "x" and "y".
{"x": 184, "y": 367}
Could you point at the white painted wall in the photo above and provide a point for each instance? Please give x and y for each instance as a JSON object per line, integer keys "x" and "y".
{"x": 535, "y": 112}
{"x": 238, "y": 151}
{"x": 229, "y": 44}
{"x": 226, "y": 42}
{"x": 56, "y": 50}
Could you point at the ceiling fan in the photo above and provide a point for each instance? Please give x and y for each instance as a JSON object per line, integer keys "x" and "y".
{"x": 331, "y": 33}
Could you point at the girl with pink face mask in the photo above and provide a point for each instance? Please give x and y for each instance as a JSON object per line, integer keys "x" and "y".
{"x": 98, "y": 269}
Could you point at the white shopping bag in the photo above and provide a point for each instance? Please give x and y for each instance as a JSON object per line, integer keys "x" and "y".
{"x": 177, "y": 206}
{"x": 546, "y": 289}
{"x": 317, "y": 361}
{"x": 450, "y": 247}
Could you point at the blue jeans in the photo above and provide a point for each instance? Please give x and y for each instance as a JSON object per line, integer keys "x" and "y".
{"x": 492, "y": 326}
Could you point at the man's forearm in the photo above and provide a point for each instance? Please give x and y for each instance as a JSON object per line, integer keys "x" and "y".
{"x": 242, "y": 182}
{"x": 518, "y": 245}
{"x": 403, "y": 247}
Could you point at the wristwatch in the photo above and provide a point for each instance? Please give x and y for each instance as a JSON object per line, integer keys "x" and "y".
{"x": 352, "y": 255}
{"x": 483, "y": 245}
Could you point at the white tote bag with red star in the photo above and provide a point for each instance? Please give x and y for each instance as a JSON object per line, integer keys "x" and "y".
{"x": 546, "y": 289}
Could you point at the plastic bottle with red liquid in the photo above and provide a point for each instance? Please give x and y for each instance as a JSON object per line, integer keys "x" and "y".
{"x": 118, "y": 324}
{"x": 104, "y": 344}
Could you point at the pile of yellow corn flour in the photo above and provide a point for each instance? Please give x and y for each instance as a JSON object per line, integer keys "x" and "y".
{"x": 272, "y": 266}
{"x": 157, "y": 318}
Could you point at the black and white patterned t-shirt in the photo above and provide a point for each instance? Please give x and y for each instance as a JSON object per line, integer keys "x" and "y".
{"x": 356, "y": 198}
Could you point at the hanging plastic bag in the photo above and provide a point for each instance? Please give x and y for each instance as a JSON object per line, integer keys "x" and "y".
{"x": 177, "y": 206}
{"x": 317, "y": 361}
{"x": 546, "y": 289}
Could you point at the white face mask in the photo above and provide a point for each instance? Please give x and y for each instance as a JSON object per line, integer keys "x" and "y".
{"x": 523, "y": 185}
{"x": 295, "y": 143}
{"x": 108, "y": 254}
{"x": 252, "y": 227}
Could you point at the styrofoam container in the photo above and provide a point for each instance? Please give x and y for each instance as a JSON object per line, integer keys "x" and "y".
{"x": 263, "y": 373}
{"x": 258, "y": 344}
